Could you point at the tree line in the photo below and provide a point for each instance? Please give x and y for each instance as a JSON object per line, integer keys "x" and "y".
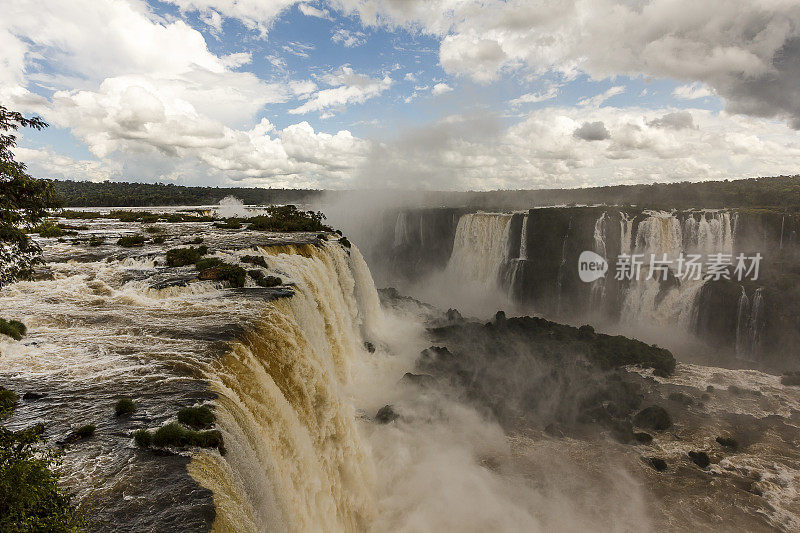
{"x": 782, "y": 192}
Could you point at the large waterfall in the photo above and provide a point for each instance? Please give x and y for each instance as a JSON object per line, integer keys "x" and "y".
{"x": 536, "y": 269}
{"x": 295, "y": 458}
{"x": 478, "y": 249}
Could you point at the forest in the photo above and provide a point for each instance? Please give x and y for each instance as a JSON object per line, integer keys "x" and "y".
{"x": 779, "y": 192}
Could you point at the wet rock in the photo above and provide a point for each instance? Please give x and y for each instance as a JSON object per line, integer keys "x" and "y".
{"x": 681, "y": 398}
{"x": 700, "y": 458}
{"x": 791, "y": 379}
{"x": 728, "y": 442}
{"x": 554, "y": 430}
{"x": 658, "y": 464}
{"x": 386, "y": 414}
{"x": 622, "y": 432}
{"x": 420, "y": 380}
{"x": 642, "y": 437}
{"x": 369, "y": 347}
{"x": 214, "y": 273}
{"x": 741, "y": 391}
{"x": 453, "y": 315}
{"x": 653, "y": 417}
{"x": 81, "y": 433}
{"x": 586, "y": 332}
{"x": 32, "y": 396}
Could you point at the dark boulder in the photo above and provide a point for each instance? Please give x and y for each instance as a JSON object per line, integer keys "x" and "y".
{"x": 369, "y": 347}
{"x": 420, "y": 380}
{"x": 642, "y": 437}
{"x": 453, "y": 315}
{"x": 728, "y": 442}
{"x": 386, "y": 414}
{"x": 681, "y": 398}
{"x": 657, "y": 463}
{"x": 791, "y": 379}
{"x": 701, "y": 459}
{"x": 31, "y": 396}
{"x": 653, "y": 417}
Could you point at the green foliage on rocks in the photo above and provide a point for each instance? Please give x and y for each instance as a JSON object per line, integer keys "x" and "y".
{"x": 131, "y": 241}
{"x": 13, "y": 328}
{"x": 178, "y": 257}
{"x": 287, "y": 218}
{"x": 124, "y": 406}
{"x": 197, "y": 417}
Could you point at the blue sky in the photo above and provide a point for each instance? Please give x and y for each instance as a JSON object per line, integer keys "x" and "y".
{"x": 455, "y": 94}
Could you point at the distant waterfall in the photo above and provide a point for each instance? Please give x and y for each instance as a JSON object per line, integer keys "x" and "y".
{"x": 478, "y": 248}
{"x": 743, "y": 325}
{"x": 295, "y": 459}
{"x": 523, "y": 242}
{"x": 598, "y": 291}
{"x": 401, "y": 230}
{"x": 626, "y": 233}
{"x": 662, "y": 234}
{"x": 757, "y": 321}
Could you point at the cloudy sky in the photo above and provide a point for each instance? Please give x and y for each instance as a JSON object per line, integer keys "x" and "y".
{"x": 440, "y": 94}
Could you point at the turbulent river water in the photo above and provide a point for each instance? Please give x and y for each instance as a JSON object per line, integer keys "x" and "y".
{"x": 297, "y": 374}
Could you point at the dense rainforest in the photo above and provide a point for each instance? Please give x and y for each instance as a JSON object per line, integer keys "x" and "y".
{"x": 772, "y": 192}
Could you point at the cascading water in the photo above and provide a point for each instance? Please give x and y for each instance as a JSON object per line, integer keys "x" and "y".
{"x": 742, "y": 325}
{"x": 294, "y": 451}
{"x": 478, "y": 248}
{"x": 401, "y": 231}
{"x": 661, "y": 302}
{"x": 598, "y": 290}
{"x": 523, "y": 241}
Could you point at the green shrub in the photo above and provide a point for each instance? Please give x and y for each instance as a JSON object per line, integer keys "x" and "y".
{"x": 13, "y": 328}
{"x": 208, "y": 262}
{"x": 159, "y": 239}
{"x": 124, "y": 406}
{"x": 8, "y": 401}
{"x": 257, "y": 260}
{"x": 263, "y": 280}
{"x": 152, "y": 229}
{"x": 344, "y": 242}
{"x": 95, "y": 240}
{"x": 142, "y": 438}
{"x": 48, "y": 230}
{"x": 178, "y": 257}
{"x": 30, "y": 496}
{"x": 288, "y": 218}
{"x": 130, "y": 241}
{"x": 86, "y": 431}
{"x": 230, "y": 223}
{"x": 197, "y": 240}
{"x": 173, "y": 218}
{"x": 149, "y": 218}
{"x": 197, "y": 417}
{"x": 174, "y": 434}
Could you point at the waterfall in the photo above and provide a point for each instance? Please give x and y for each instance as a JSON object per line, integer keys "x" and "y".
{"x": 598, "y": 290}
{"x": 742, "y": 325}
{"x": 295, "y": 460}
{"x": 401, "y": 230}
{"x": 478, "y": 248}
{"x": 523, "y": 242}
{"x": 561, "y": 268}
{"x": 652, "y": 301}
{"x": 626, "y": 233}
{"x": 757, "y": 320}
